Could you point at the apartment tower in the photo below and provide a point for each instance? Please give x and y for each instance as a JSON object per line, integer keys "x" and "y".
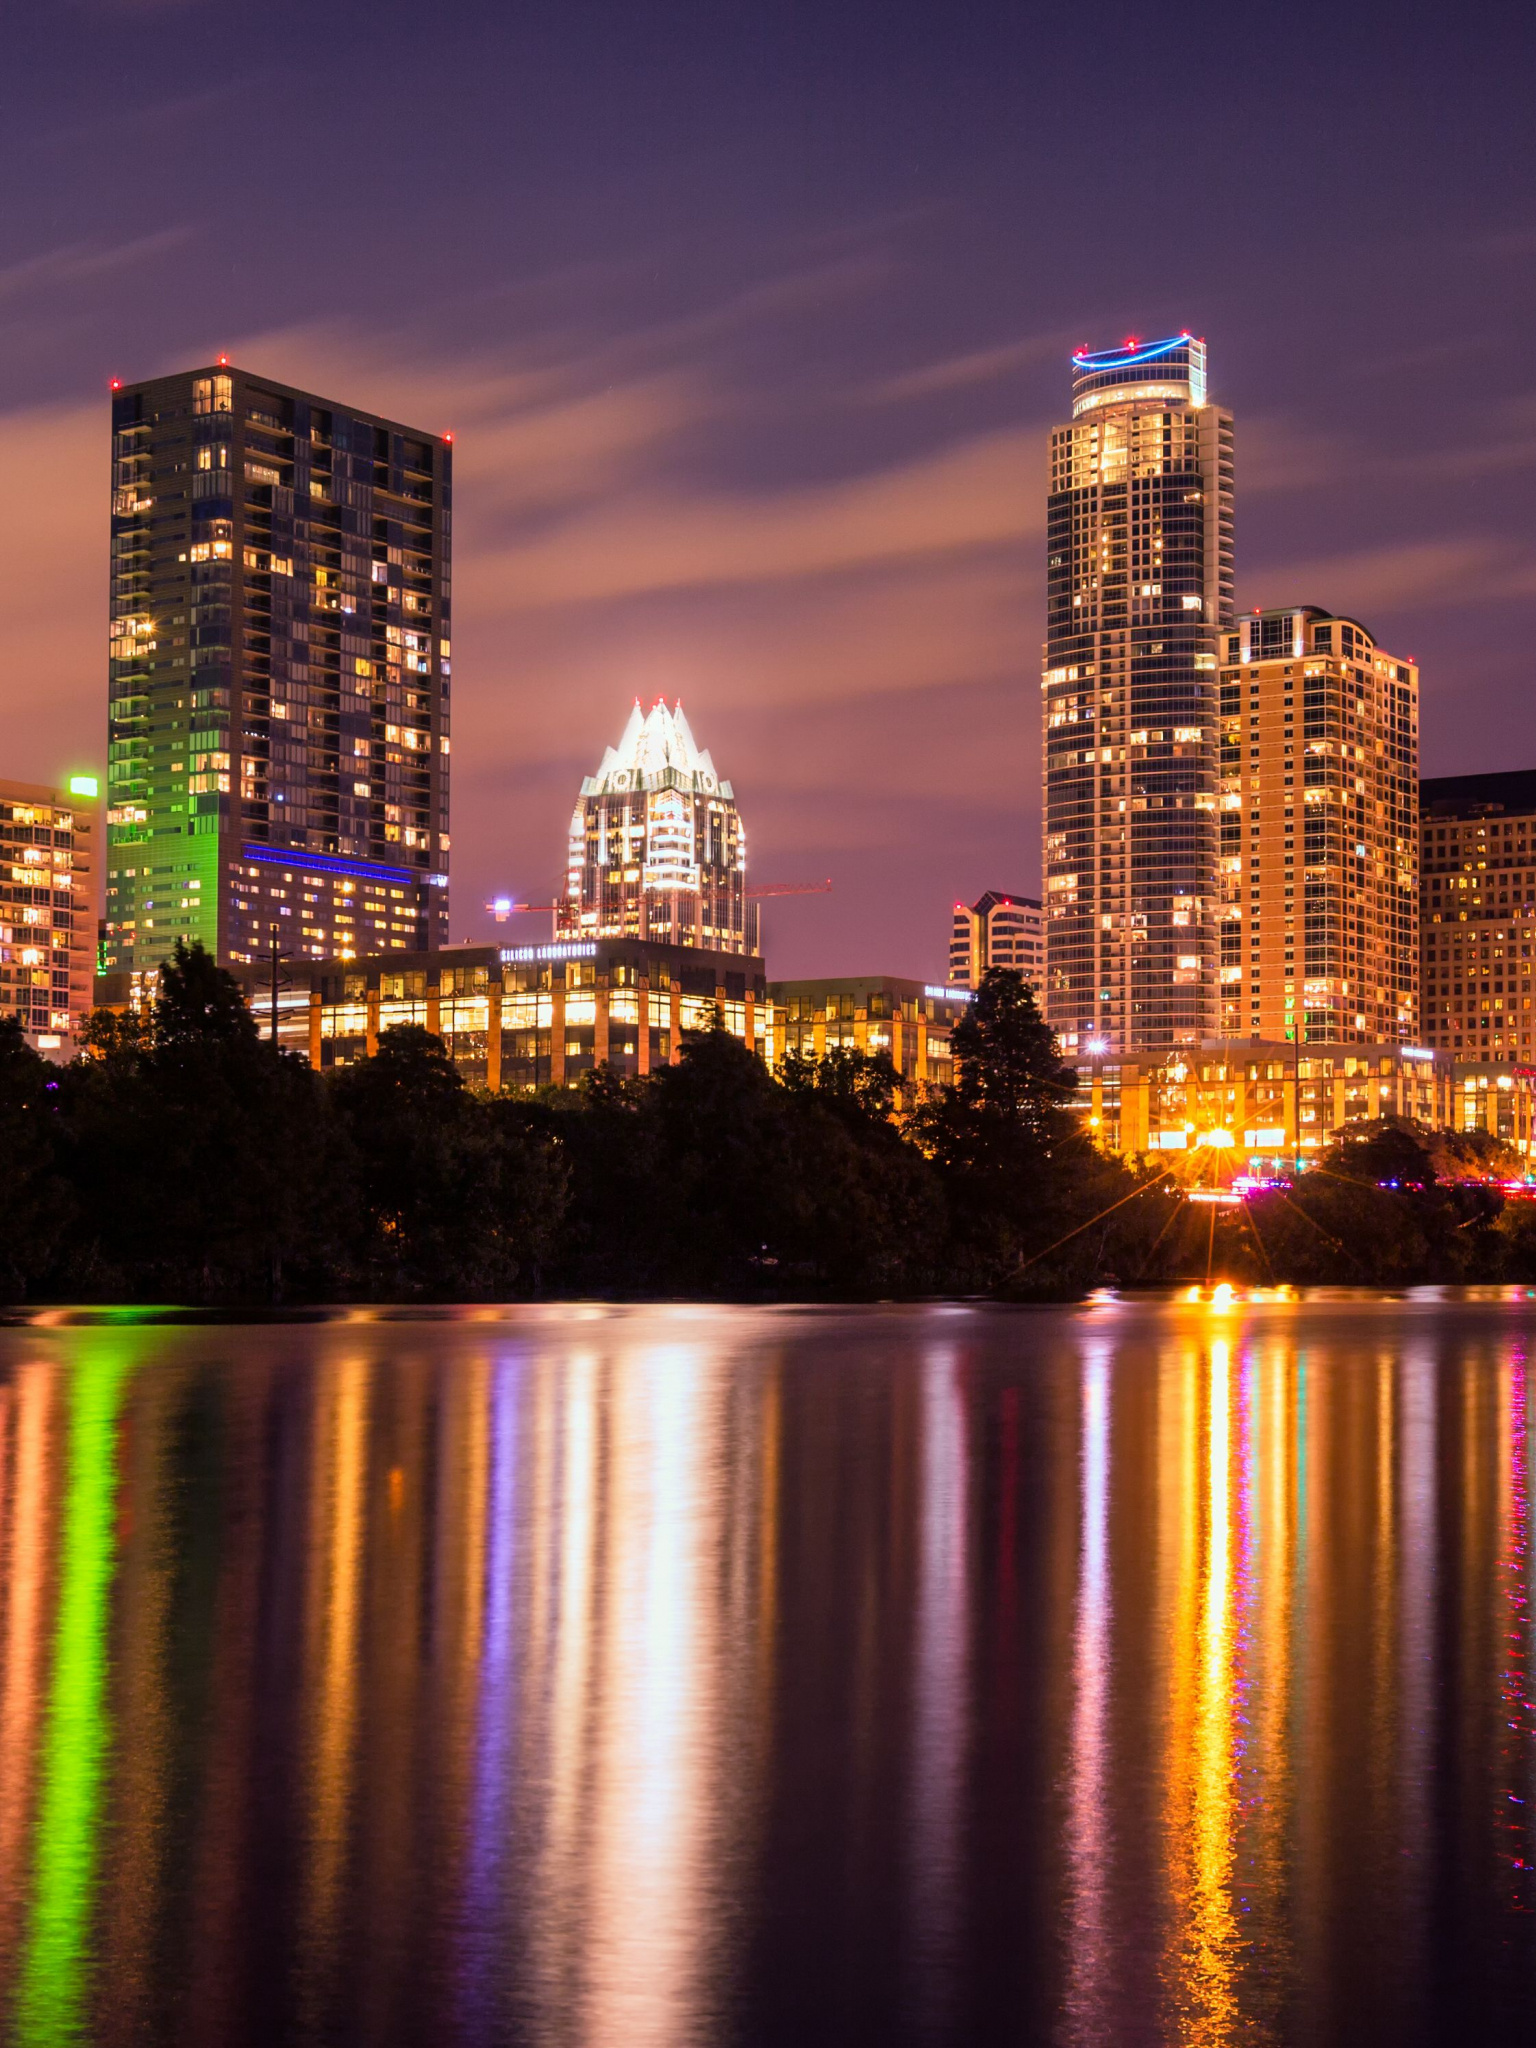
{"x": 1319, "y": 832}
{"x": 1139, "y": 581}
{"x": 279, "y": 690}
{"x": 1477, "y": 914}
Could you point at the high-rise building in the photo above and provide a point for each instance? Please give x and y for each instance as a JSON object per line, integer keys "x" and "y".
{"x": 1477, "y": 914}
{"x": 1319, "y": 832}
{"x": 656, "y": 849}
{"x": 50, "y": 880}
{"x": 1139, "y": 579}
{"x": 279, "y": 673}
{"x": 997, "y": 931}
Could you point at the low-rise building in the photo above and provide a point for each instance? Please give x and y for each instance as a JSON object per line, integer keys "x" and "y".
{"x": 1493, "y": 1097}
{"x": 1264, "y": 1102}
{"x": 50, "y": 874}
{"x": 871, "y": 1013}
{"x": 519, "y": 1016}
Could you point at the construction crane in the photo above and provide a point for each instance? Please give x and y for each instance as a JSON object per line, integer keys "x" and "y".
{"x": 503, "y": 907}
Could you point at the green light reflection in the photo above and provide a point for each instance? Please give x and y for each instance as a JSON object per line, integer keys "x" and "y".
{"x": 50, "y": 2004}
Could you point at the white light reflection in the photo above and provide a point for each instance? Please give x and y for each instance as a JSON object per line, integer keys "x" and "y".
{"x": 940, "y": 1687}
{"x": 1089, "y": 1987}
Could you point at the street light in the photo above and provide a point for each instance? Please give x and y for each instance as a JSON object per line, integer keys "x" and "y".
{"x": 1096, "y": 1049}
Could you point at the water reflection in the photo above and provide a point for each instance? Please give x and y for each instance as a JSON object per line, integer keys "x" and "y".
{"x": 1114, "y": 1675}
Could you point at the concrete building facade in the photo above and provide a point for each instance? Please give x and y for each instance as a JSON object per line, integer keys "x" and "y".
{"x": 1319, "y": 832}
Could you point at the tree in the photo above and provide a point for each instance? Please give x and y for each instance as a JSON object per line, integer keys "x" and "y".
{"x": 199, "y": 1154}
{"x": 35, "y": 1207}
{"x": 452, "y": 1193}
{"x": 871, "y": 1217}
{"x": 1019, "y": 1169}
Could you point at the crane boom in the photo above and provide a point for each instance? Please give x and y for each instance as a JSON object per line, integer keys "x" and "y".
{"x": 790, "y": 889}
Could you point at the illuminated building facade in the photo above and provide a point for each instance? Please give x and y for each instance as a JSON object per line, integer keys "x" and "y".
{"x": 909, "y": 1020}
{"x": 1319, "y": 832}
{"x": 1139, "y": 580}
{"x": 997, "y": 931}
{"x": 50, "y": 879}
{"x": 1262, "y": 1103}
{"x": 656, "y": 848}
{"x": 279, "y": 691}
{"x": 1477, "y": 913}
{"x": 521, "y": 1017}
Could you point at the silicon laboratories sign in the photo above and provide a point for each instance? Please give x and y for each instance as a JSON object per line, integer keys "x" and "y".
{"x": 575, "y": 950}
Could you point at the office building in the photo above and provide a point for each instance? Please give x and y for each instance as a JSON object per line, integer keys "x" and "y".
{"x": 911, "y": 1021}
{"x": 1319, "y": 832}
{"x": 519, "y": 1017}
{"x": 1477, "y": 913}
{"x": 997, "y": 931}
{"x": 1252, "y": 1105}
{"x": 50, "y": 880}
{"x": 656, "y": 847}
{"x": 1139, "y": 580}
{"x": 280, "y": 666}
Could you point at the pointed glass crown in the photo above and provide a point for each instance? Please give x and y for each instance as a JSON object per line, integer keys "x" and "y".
{"x": 657, "y": 751}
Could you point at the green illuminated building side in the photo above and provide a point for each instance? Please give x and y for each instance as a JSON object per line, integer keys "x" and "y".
{"x": 279, "y": 674}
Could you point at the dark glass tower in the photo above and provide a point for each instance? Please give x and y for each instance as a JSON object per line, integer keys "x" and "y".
{"x": 279, "y": 674}
{"x": 1139, "y": 579}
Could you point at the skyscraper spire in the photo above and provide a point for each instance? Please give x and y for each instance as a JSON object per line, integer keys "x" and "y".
{"x": 656, "y": 848}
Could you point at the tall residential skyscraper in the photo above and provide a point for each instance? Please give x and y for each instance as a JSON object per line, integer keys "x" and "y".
{"x": 1138, "y": 581}
{"x": 656, "y": 849}
{"x": 1477, "y": 914}
{"x": 279, "y": 673}
{"x": 997, "y": 931}
{"x": 1319, "y": 832}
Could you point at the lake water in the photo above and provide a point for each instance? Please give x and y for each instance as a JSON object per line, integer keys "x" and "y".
{"x": 1117, "y": 1674}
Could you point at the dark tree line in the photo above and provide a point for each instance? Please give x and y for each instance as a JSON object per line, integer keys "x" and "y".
{"x": 182, "y": 1158}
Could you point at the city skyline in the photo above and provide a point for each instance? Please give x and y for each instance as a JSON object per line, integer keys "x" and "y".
{"x": 764, "y": 427}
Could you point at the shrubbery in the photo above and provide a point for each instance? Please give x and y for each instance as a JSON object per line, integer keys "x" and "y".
{"x": 183, "y": 1159}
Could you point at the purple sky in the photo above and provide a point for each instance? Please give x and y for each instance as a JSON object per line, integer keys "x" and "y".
{"x": 749, "y": 323}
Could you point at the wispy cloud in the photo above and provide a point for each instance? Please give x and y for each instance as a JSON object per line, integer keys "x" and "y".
{"x": 962, "y": 372}
{"x": 973, "y": 496}
{"x": 53, "y": 270}
{"x": 1413, "y": 576}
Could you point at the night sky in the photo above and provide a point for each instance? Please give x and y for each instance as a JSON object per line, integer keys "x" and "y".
{"x": 749, "y": 323}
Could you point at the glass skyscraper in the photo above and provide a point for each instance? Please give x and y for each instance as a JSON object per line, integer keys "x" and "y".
{"x": 280, "y": 663}
{"x": 1139, "y": 581}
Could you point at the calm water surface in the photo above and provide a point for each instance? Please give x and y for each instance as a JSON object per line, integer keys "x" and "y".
{"x": 1118, "y": 1674}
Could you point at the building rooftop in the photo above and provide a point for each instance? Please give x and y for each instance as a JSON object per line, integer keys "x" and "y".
{"x": 1154, "y": 369}
{"x": 1472, "y": 796}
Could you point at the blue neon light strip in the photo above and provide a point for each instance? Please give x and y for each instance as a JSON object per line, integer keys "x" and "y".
{"x": 1126, "y": 359}
{"x": 328, "y": 864}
